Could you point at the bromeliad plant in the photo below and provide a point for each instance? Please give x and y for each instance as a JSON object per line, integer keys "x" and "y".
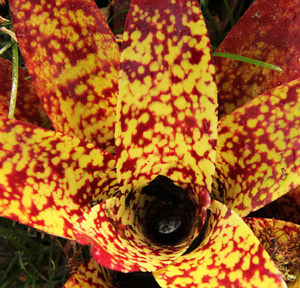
{"x": 131, "y": 175}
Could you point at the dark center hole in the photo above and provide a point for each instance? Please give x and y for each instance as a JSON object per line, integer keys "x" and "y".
{"x": 170, "y": 216}
{"x": 169, "y": 223}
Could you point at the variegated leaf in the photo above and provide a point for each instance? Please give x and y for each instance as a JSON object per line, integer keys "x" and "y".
{"x": 229, "y": 256}
{"x": 47, "y": 179}
{"x": 28, "y": 107}
{"x": 73, "y": 59}
{"x": 268, "y": 32}
{"x": 166, "y": 115}
{"x": 258, "y": 150}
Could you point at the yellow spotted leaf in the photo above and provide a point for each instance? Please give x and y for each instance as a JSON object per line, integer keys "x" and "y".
{"x": 47, "y": 179}
{"x": 28, "y": 108}
{"x": 91, "y": 275}
{"x": 269, "y": 32}
{"x": 286, "y": 207}
{"x": 114, "y": 231}
{"x": 166, "y": 111}
{"x": 229, "y": 256}
{"x": 258, "y": 151}
{"x": 73, "y": 59}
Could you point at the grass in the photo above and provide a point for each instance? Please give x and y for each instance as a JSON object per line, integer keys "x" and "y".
{"x": 29, "y": 258}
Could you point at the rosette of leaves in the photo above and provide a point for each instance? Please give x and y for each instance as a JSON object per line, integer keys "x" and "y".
{"x": 138, "y": 166}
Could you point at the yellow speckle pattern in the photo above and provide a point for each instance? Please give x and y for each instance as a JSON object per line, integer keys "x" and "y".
{"x": 48, "y": 180}
{"x": 229, "y": 256}
{"x": 258, "y": 154}
{"x": 166, "y": 111}
{"x": 91, "y": 275}
{"x": 286, "y": 208}
{"x": 114, "y": 231}
{"x": 28, "y": 107}
{"x": 166, "y": 124}
{"x": 71, "y": 55}
{"x": 268, "y": 32}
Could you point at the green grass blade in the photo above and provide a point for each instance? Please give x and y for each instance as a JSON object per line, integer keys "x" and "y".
{"x": 20, "y": 246}
{"x": 229, "y": 13}
{"x": 6, "y": 23}
{"x": 14, "y": 87}
{"x": 6, "y": 47}
{"x": 117, "y": 14}
{"x": 11, "y": 279}
{"x": 4, "y": 275}
{"x": 37, "y": 272}
{"x": 26, "y": 285}
{"x": 118, "y": 31}
{"x": 247, "y": 60}
{"x": 22, "y": 265}
{"x": 6, "y": 232}
{"x": 56, "y": 264}
{"x": 240, "y": 10}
